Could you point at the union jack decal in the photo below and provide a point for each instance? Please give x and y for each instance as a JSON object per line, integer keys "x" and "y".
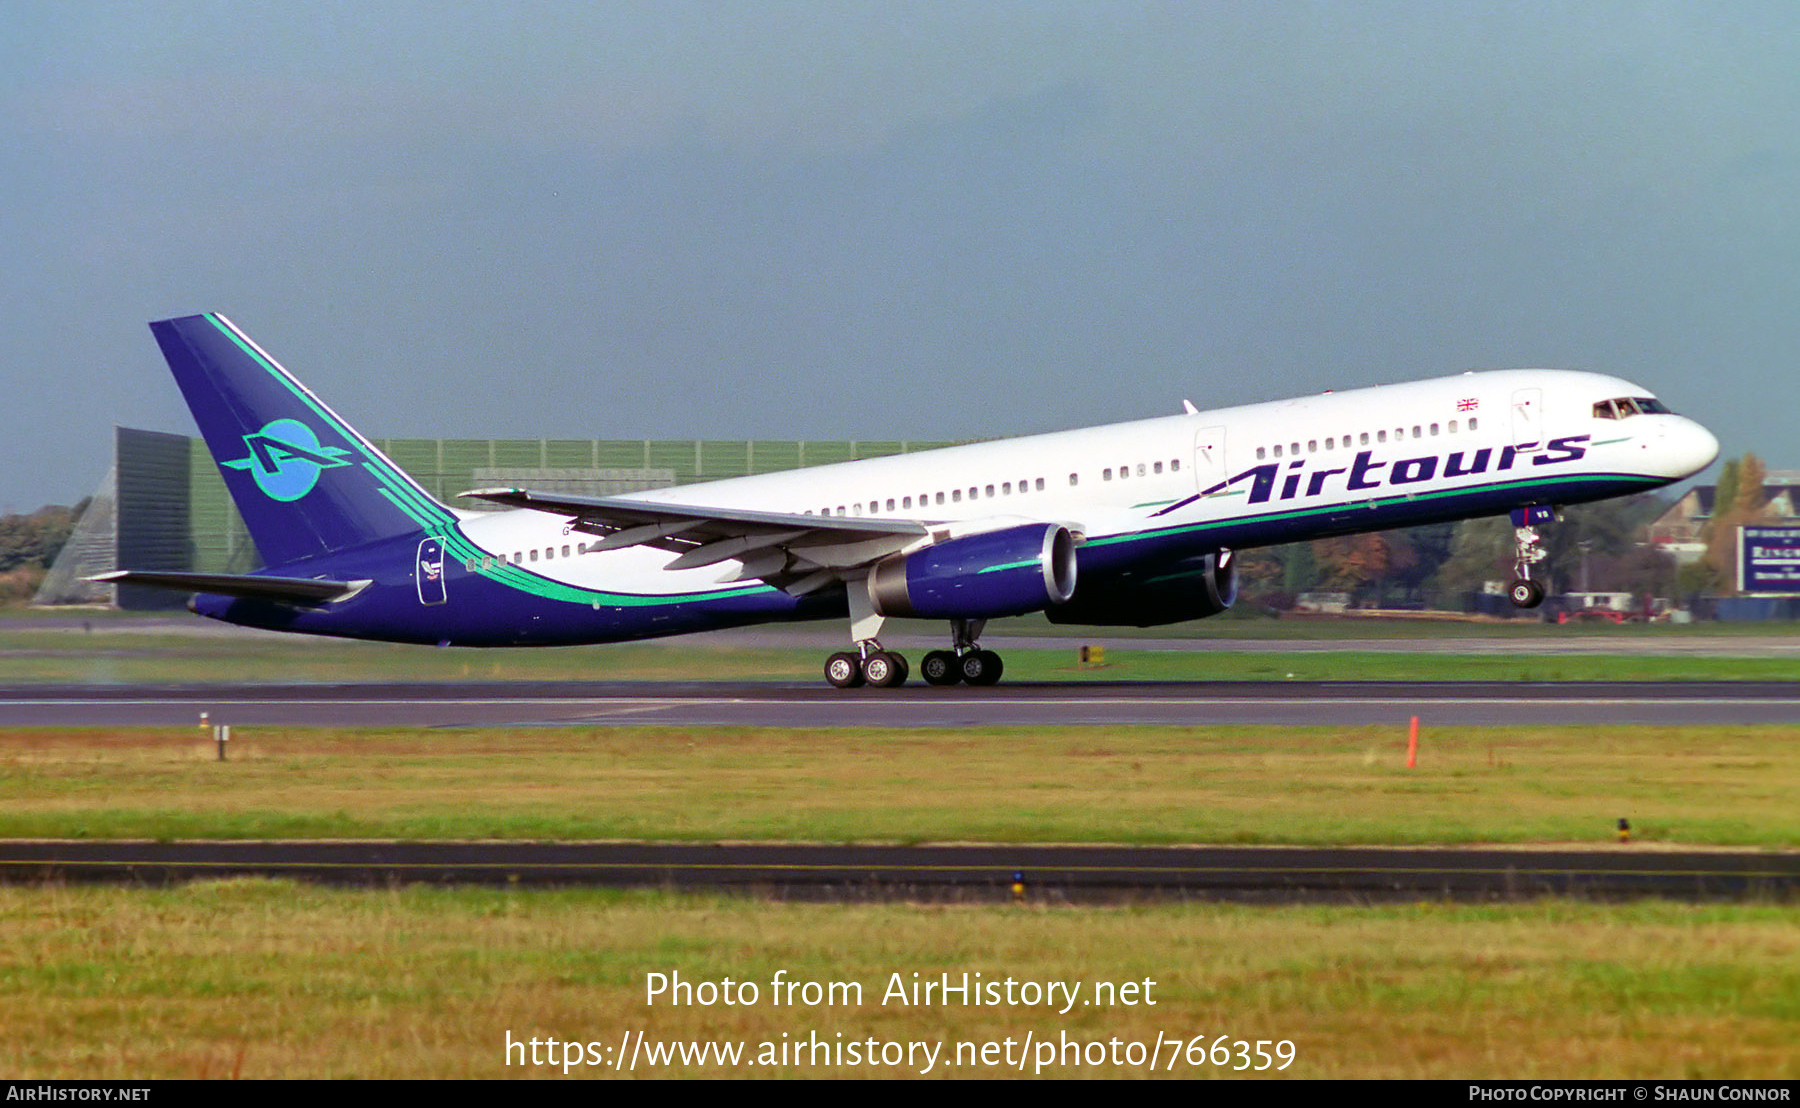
{"x": 1467, "y": 405}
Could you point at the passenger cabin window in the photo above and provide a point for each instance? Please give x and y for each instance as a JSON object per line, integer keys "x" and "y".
{"x": 1158, "y": 467}
{"x": 1074, "y": 479}
{"x": 1175, "y": 465}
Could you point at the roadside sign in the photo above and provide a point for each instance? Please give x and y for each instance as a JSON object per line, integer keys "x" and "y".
{"x": 1769, "y": 559}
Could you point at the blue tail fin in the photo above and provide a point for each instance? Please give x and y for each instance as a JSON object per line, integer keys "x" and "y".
{"x": 305, "y": 482}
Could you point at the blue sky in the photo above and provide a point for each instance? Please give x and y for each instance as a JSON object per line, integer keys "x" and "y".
{"x": 835, "y": 220}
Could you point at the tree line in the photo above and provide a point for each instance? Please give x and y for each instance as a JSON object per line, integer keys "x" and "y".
{"x": 28, "y": 545}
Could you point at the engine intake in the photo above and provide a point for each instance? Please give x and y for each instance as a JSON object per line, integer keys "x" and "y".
{"x": 998, "y": 573}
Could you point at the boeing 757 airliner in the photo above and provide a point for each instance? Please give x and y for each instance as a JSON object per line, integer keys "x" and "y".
{"x": 1128, "y": 524}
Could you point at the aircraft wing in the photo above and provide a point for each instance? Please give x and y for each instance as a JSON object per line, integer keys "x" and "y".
{"x": 799, "y": 553}
{"x": 306, "y": 591}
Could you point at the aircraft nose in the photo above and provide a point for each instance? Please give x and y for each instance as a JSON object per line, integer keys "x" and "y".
{"x": 1687, "y": 448}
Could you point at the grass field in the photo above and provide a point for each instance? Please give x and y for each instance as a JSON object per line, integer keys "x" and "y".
{"x": 272, "y": 979}
{"x": 1714, "y": 786}
{"x": 107, "y": 657}
{"x": 266, "y": 979}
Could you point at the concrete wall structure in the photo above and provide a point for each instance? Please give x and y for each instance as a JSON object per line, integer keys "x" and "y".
{"x": 171, "y": 509}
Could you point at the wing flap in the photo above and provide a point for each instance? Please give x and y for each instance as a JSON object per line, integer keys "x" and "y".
{"x": 780, "y": 548}
{"x": 612, "y": 514}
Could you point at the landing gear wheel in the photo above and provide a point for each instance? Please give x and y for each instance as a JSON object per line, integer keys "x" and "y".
{"x": 981, "y": 667}
{"x": 883, "y": 670}
{"x": 939, "y": 667}
{"x": 844, "y": 670}
{"x": 1525, "y": 594}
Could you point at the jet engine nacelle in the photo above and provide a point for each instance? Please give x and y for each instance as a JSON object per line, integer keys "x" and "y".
{"x": 1192, "y": 588}
{"x": 985, "y": 576}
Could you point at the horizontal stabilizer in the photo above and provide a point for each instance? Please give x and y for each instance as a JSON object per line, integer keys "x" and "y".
{"x": 291, "y": 590}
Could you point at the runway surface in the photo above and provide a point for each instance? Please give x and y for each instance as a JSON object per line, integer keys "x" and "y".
{"x": 984, "y": 872}
{"x": 591, "y": 703}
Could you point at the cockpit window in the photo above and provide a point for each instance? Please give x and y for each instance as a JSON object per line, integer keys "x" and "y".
{"x": 1624, "y": 407}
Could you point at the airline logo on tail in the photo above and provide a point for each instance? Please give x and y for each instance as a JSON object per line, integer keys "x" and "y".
{"x": 286, "y": 459}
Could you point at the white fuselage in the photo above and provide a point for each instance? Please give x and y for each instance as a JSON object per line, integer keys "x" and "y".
{"x": 1322, "y": 453}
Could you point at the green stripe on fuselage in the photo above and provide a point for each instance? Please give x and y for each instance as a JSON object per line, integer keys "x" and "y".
{"x": 1375, "y": 504}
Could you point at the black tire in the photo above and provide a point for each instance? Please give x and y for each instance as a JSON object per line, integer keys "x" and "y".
{"x": 844, "y": 670}
{"x": 883, "y": 670}
{"x": 981, "y": 667}
{"x": 1525, "y": 594}
{"x": 939, "y": 667}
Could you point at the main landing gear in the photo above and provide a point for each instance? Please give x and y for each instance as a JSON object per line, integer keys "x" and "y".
{"x": 965, "y": 661}
{"x": 872, "y": 665}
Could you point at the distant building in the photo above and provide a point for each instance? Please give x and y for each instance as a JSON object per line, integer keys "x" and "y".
{"x": 1681, "y": 530}
{"x": 164, "y": 506}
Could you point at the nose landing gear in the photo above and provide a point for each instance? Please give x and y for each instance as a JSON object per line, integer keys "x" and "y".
{"x": 1527, "y": 552}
